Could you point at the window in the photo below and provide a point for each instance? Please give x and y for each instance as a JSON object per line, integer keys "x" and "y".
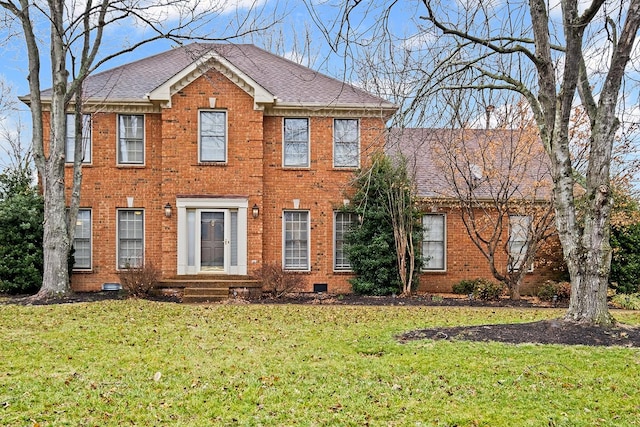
{"x": 82, "y": 241}
{"x": 70, "y": 144}
{"x": 296, "y": 240}
{"x": 213, "y": 136}
{"x": 296, "y": 142}
{"x": 346, "y": 143}
{"x": 130, "y": 238}
{"x": 130, "y": 139}
{"x": 433, "y": 242}
{"x": 518, "y": 240}
{"x": 343, "y": 222}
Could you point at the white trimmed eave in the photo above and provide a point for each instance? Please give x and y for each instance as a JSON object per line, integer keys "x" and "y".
{"x": 163, "y": 93}
{"x": 280, "y": 108}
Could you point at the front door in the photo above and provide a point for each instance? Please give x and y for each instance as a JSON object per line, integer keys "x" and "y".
{"x": 212, "y": 241}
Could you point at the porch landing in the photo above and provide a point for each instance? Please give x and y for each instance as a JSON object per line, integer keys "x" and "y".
{"x": 203, "y": 289}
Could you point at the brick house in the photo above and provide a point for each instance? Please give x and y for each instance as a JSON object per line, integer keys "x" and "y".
{"x": 211, "y": 160}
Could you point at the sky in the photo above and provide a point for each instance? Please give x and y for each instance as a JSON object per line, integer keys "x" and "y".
{"x": 305, "y": 31}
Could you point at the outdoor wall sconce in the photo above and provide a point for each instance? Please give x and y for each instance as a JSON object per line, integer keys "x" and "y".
{"x": 255, "y": 210}
{"x": 167, "y": 210}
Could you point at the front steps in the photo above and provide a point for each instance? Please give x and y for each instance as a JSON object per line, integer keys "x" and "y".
{"x": 204, "y": 289}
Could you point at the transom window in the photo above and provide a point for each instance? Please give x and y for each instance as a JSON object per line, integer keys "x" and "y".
{"x": 213, "y": 136}
{"x": 70, "y": 143}
{"x": 342, "y": 224}
{"x": 519, "y": 226}
{"x": 296, "y": 240}
{"x": 130, "y": 238}
{"x": 82, "y": 241}
{"x": 346, "y": 143}
{"x": 130, "y": 139}
{"x": 296, "y": 142}
{"x": 433, "y": 242}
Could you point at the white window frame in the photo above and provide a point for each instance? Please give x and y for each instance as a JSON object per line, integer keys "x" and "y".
{"x": 443, "y": 241}
{"x": 284, "y": 241}
{"x": 70, "y": 140}
{"x": 346, "y": 265}
{"x": 514, "y": 259}
{"x": 89, "y": 238}
{"x": 119, "y": 153}
{"x": 119, "y": 239}
{"x": 225, "y": 136}
{"x": 284, "y": 143}
{"x": 356, "y": 142}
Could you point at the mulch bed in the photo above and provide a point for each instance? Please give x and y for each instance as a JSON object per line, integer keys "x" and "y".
{"x": 543, "y": 332}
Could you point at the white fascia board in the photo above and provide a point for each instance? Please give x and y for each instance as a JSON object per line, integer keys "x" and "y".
{"x": 163, "y": 92}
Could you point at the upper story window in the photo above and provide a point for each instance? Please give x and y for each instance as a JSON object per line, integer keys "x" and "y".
{"x": 130, "y": 139}
{"x": 346, "y": 143}
{"x": 433, "y": 242}
{"x": 82, "y": 241}
{"x": 70, "y": 143}
{"x": 296, "y": 143}
{"x": 519, "y": 226}
{"x": 343, "y": 221}
{"x": 213, "y": 136}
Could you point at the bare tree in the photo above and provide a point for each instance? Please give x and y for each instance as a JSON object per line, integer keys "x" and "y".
{"x": 76, "y": 42}
{"x": 548, "y": 56}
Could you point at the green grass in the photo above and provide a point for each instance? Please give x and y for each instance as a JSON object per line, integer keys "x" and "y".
{"x": 251, "y": 365}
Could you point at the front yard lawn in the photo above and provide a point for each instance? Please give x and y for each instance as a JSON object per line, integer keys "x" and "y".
{"x": 137, "y": 362}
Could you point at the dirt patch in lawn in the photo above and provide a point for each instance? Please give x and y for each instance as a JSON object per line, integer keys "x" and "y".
{"x": 542, "y": 332}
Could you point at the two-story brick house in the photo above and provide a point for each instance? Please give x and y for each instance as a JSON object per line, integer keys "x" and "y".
{"x": 214, "y": 159}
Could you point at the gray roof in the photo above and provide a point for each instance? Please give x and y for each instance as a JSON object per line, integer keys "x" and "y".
{"x": 494, "y": 161}
{"x": 289, "y": 82}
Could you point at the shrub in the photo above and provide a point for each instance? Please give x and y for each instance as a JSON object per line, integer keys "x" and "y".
{"x": 487, "y": 290}
{"x": 627, "y": 301}
{"x": 625, "y": 261}
{"x": 277, "y": 282}
{"x": 549, "y": 289}
{"x": 464, "y": 287}
{"x": 138, "y": 281}
{"x": 21, "y": 232}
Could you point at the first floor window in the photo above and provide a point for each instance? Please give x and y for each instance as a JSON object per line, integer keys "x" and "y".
{"x": 82, "y": 241}
{"x": 213, "y": 136}
{"x": 130, "y": 139}
{"x": 296, "y": 142}
{"x": 70, "y": 144}
{"x": 433, "y": 242}
{"x": 519, "y": 226}
{"x": 342, "y": 224}
{"x": 296, "y": 240}
{"x": 346, "y": 143}
{"x": 130, "y": 238}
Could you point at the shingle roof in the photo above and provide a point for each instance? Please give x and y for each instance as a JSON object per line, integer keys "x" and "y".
{"x": 290, "y": 83}
{"x": 514, "y": 162}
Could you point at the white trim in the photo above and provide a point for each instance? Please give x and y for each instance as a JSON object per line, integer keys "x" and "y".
{"x": 239, "y": 204}
{"x": 333, "y": 143}
{"x": 144, "y": 141}
{"x": 90, "y": 268}
{"x": 90, "y": 143}
{"x": 226, "y": 135}
{"x": 444, "y": 248}
{"x": 198, "y": 68}
{"x": 308, "y": 240}
{"x": 308, "y": 165}
{"x": 339, "y": 270}
{"x": 144, "y": 233}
